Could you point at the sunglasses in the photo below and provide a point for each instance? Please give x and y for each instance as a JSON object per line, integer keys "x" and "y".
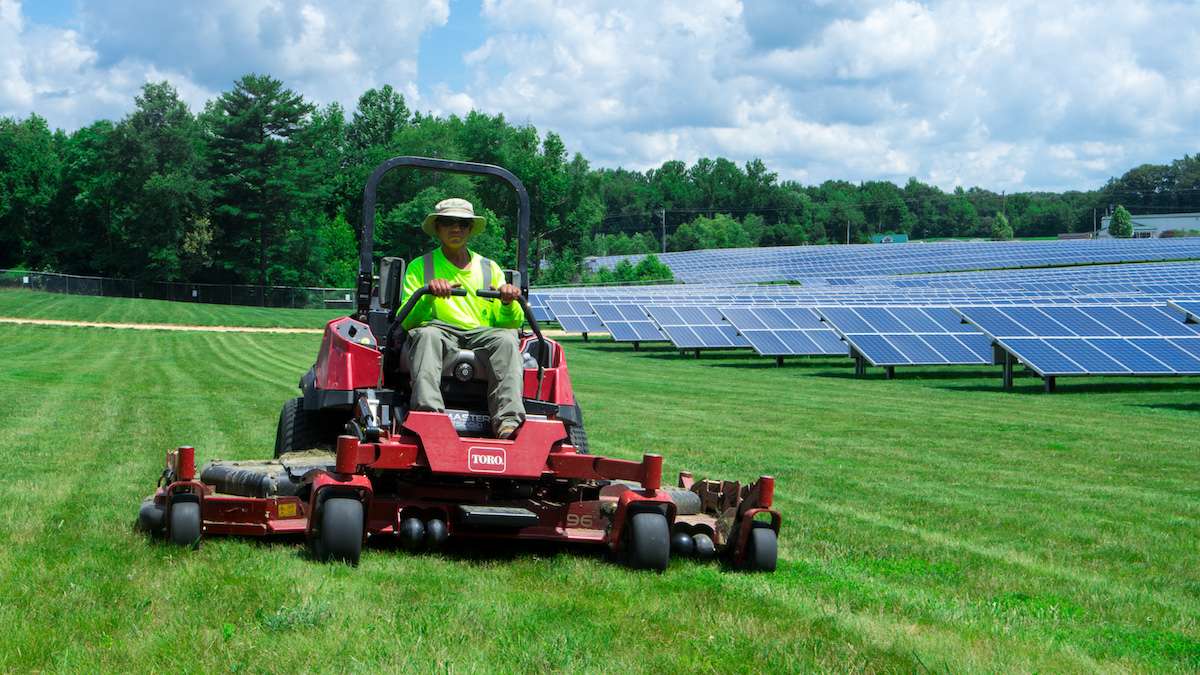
{"x": 454, "y": 222}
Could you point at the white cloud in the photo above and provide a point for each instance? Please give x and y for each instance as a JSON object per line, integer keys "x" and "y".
{"x": 955, "y": 92}
{"x": 1011, "y": 95}
{"x": 327, "y": 50}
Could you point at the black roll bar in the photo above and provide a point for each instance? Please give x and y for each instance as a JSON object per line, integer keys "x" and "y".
{"x": 366, "y": 262}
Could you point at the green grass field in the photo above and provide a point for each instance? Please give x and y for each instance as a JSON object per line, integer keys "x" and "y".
{"x": 932, "y": 522}
{"x": 37, "y": 305}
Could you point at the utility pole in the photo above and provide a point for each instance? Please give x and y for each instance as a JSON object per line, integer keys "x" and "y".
{"x": 663, "y": 213}
{"x": 847, "y": 230}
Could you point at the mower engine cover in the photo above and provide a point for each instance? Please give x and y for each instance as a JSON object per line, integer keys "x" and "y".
{"x": 349, "y": 358}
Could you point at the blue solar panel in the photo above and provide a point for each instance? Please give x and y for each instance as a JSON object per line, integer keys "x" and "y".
{"x": 881, "y": 320}
{"x": 893, "y": 336}
{"x": 537, "y": 305}
{"x": 1044, "y": 359}
{"x": 695, "y": 327}
{"x": 1168, "y": 352}
{"x": 883, "y": 352}
{"x": 916, "y": 320}
{"x": 1089, "y": 339}
{"x": 627, "y": 323}
{"x": 846, "y": 319}
{"x": 1159, "y": 321}
{"x": 575, "y": 317}
{"x": 961, "y": 348}
{"x": 784, "y": 331}
{"x": 1191, "y": 309}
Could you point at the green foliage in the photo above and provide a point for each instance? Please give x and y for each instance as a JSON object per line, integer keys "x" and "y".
{"x": 623, "y": 244}
{"x": 336, "y": 246}
{"x": 248, "y": 190}
{"x": 1121, "y": 224}
{"x": 720, "y": 231}
{"x": 1001, "y": 229}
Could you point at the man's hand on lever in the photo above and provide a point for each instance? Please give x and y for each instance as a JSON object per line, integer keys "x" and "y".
{"x": 508, "y": 293}
{"x": 441, "y": 288}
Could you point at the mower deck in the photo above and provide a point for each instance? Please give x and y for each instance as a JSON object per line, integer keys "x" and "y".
{"x": 427, "y": 484}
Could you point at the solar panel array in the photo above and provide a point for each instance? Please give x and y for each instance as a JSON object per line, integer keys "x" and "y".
{"x": 797, "y": 262}
{"x": 784, "y": 330}
{"x": 904, "y": 336}
{"x": 627, "y": 323}
{"x": 575, "y": 316}
{"x": 1093, "y": 340}
{"x": 866, "y": 302}
{"x": 696, "y": 327}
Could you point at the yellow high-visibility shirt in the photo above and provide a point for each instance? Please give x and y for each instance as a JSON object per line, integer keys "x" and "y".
{"x": 466, "y": 312}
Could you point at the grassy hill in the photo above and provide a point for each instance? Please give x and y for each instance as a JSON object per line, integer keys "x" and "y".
{"x": 930, "y": 522}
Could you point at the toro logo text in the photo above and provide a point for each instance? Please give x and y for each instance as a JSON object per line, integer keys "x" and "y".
{"x": 486, "y": 460}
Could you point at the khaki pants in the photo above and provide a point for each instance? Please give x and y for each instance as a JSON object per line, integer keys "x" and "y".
{"x": 430, "y": 345}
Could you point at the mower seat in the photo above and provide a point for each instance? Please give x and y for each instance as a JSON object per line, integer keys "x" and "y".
{"x": 465, "y": 366}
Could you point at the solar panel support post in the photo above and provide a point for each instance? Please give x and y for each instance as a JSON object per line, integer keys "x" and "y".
{"x": 697, "y": 353}
{"x": 778, "y": 361}
{"x": 1008, "y": 371}
{"x": 585, "y": 338}
{"x": 860, "y": 364}
{"x": 889, "y": 372}
{"x": 1048, "y": 384}
{"x": 637, "y": 346}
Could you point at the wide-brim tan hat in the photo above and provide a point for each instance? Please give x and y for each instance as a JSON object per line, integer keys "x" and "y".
{"x": 452, "y": 208}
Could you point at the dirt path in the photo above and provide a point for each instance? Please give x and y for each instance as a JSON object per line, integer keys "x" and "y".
{"x": 184, "y": 327}
{"x": 157, "y": 326}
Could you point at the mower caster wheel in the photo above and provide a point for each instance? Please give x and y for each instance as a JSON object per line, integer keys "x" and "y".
{"x": 412, "y": 533}
{"x": 435, "y": 533}
{"x": 704, "y": 547}
{"x": 649, "y": 544}
{"x": 682, "y": 544}
{"x": 341, "y": 533}
{"x": 184, "y": 529}
{"x": 762, "y": 549}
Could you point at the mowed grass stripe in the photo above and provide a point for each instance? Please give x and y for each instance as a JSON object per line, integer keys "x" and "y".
{"x": 958, "y": 439}
{"x": 920, "y": 527}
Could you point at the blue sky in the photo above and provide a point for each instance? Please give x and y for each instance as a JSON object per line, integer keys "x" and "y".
{"x": 1009, "y": 95}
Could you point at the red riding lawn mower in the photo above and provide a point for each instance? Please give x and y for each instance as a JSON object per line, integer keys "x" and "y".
{"x": 352, "y": 464}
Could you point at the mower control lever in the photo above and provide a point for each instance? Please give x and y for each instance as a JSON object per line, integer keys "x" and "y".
{"x": 402, "y": 313}
{"x": 533, "y": 325}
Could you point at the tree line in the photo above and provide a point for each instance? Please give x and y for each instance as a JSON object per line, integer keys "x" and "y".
{"x": 264, "y": 187}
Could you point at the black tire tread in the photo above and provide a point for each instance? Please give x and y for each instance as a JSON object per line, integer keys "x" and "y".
{"x": 649, "y": 542}
{"x": 578, "y": 438}
{"x": 762, "y": 549}
{"x": 341, "y": 532}
{"x": 301, "y": 429}
{"x": 185, "y": 526}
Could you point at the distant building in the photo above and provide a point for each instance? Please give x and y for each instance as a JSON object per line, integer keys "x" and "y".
{"x": 1153, "y": 225}
{"x": 889, "y": 238}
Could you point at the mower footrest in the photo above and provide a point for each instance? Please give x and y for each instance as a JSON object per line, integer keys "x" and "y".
{"x": 497, "y": 516}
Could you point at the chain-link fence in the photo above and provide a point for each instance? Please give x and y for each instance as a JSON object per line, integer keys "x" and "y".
{"x": 222, "y": 294}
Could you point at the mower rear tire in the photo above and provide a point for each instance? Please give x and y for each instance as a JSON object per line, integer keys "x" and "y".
{"x": 341, "y": 534}
{"x": 578, "y": 438}
{"x": 184, "y": 529}
{"x": 301, "y": 429}
{"x": 648, "y": 546}
{"x": 762, "y": 549}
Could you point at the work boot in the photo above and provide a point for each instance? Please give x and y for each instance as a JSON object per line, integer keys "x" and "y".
{"x": 507, "y": 429}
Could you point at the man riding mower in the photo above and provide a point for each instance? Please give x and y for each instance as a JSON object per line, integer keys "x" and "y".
{"x": 429, "y": 418}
